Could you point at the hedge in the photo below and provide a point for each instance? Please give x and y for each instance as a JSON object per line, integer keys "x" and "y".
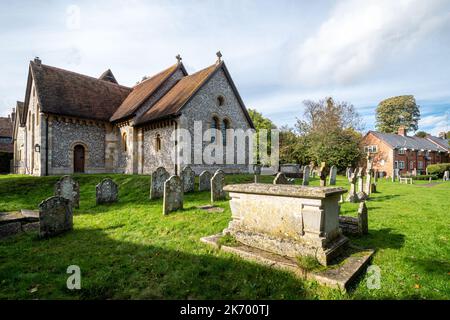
{"x": 438, "y": 169}
{"x": 425, "y": 177}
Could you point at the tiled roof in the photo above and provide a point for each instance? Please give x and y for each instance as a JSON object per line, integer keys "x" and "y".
{"x": 6, "y": 127}
{"x": 398, "y": 141}
{"x": 172, "y": 102}
{"x": 444, "y": 143}
{"x": 68, "y": 93}
{"x": 141, "y": 92}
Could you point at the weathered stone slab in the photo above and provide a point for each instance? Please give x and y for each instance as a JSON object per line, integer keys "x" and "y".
{"x": 55, "y": 216}
{"x": 107, "y": 191}
{"x": 159, "y": 177}
{"x": 204, "y": 181}
{"x": 280, "y": 179}
{"x": 217, "y": 185}
{"x": 69, "y": 189}
{"x": 306, "y": 171}
{"x": 340, "y": 276}
{"x": 10, "y": 229}
{"x": 288, "y": 220}
{"x": 173, "y": 195}
{"x": 188, "y": 179}
{"x": 333, "y": 173}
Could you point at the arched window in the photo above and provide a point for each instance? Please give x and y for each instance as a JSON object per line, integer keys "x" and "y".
{"x": 214, "y": 126}
{"x": 225, "y": 126}
{"x": 124, "y": 142}
{"x": 220, "y": 101}
{"x": 158, "y": 143}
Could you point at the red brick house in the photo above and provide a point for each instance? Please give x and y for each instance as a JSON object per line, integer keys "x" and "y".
{"x": 392, "y": 151}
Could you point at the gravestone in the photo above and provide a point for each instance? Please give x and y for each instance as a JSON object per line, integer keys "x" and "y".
{"x": 204, "y": 181}
{"x": 349, "y": 172}
{"x": 188, "y": 179}
{"x": 69, "y": 189}
{"x": 363, "y": 218}
{"x": 368, "y": 184}
{"x": 352, "y": 197}
{"x": 333, "y": 173}
{"x": 107, "y": 191}
{"x": 375, "y": 176}
{"x": 395, "y": 175}
{"x": 55, "y": 216}
{"x": 323, "y": 174}
{"x": 446, "y": 176}
{"x": 360, "y": 179}
{"x": 306, "y": 171}
{"x": 173, "y": 195}
{"x": 280, "y": 179}
{"x": 159, "y": 177}
{"x": 217, "y": 184}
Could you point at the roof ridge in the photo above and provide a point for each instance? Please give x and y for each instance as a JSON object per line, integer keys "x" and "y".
{"x": 80, "y": 74}
{"x": 177, "y": 65}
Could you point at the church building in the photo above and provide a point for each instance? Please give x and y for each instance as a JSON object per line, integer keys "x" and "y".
{"x": 73, "y": 123}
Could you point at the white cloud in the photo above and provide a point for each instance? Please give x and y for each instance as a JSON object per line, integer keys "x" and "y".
{"x": 435, "y": 123}
{"x": 360, "y": 35}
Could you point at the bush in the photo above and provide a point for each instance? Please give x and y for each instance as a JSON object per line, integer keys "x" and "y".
{"x": 425, "y": 177}
{"x": 438, "y": 169}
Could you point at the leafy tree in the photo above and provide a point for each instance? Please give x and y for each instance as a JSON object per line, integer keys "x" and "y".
{"x": 260, "y": 122}
{"x": 397, "y": 111}
{"x": 330, "y": 130}
{"x": 421, "y": 134}
{"x": 293, "y": 147}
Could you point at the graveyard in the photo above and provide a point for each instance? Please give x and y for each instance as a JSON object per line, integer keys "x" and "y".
{"x": 128, "y": 246}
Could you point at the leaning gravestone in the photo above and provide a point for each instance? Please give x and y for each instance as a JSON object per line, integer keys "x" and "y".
{"x": 204, "y": 181}
{"x": 69, "y": 189}
{"x": 306, "y": 171}
{"x": 333, "y": 173}
{"x": 217, "y": 184}
{"x": 173, "y": 195}
{"x": 55, "y": 216}
{"x": 188, "y": 179}
{"x": 159, "y": 176}
{"x": 107, "y": 191}
{"x": 352, "y": 197}
{"x": 280, "y": 179}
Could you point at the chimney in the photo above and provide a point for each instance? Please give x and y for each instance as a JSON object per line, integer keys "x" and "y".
{"x": 37, "y": 61}
{"x": 13, "y": 115}
{"x": 402, "y": 131}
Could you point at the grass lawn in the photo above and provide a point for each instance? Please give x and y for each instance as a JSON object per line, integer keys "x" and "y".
{"x": 129, "y": 250}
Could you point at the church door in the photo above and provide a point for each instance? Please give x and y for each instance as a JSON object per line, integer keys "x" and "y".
{"x": 78, "y": 159}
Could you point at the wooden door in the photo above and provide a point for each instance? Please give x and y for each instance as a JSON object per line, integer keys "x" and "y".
{"x": 78, "y": 159}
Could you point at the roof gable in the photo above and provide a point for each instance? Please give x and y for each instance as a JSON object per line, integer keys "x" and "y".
{"x": 108, "y": 76}
{"x": 143, "y": 91}
{"x": 72, "y": 94}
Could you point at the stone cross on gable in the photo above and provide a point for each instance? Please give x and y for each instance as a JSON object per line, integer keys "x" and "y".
{"x": 219, "y": 56}
{"x": 178, "y": 57}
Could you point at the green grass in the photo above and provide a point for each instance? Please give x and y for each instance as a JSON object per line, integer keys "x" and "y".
{"x": 129, "y": 250}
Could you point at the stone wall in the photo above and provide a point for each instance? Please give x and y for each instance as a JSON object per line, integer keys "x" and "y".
{"x": 204, "y": 106}
{"x": 65, "y": 135}
{"x": 163, "y": 158}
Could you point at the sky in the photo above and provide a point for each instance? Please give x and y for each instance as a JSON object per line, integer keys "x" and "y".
{"x": 279, "y": 53}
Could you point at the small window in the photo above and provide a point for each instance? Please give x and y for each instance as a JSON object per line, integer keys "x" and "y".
{"x": 220, "y": 101}
{"x": 411, "y": 165}
{"x": 124, "y": 142}
{"x": 420, "y": 164}
{"x": 371, "y": 149}
{"x": 158, "y": 143}
{"x": 401, "y": 164}
{"x": 401, "y": 151}
{"x": 214, "y": 127}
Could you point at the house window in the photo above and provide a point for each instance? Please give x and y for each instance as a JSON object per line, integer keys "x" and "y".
{"x": 220, "y": 101}
{"x": 225, "y": 126}
{"x": 214, "y": 127}
{"x": 401, "y": 165}
{"x": 401, "y": 151}
{"x": 371, "y": 149}
{"x": 158, "y": 143}
{"x": 124, "y": 142}
{"x": 420, "y": 164}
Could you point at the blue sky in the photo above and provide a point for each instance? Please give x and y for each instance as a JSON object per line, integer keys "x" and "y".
{"x": 278, "y": 52}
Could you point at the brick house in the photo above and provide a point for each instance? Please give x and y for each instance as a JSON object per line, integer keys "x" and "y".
{"x": 6, "y": 142}
{"x": 392, "y": 151}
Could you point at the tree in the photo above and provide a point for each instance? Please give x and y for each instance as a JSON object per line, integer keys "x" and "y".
{"x": 397, "y": 111}
{"x": 262, "y": 123}
{"x": 421, "y": 134}
{"x": 330, "y": 132}
{"x": 293, "y": 148}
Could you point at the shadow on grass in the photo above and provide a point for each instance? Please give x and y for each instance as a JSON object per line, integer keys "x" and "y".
{"x": 384, "y": 198}
{"x": 113, "y": 269}
{"x": 381, "y": 239}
